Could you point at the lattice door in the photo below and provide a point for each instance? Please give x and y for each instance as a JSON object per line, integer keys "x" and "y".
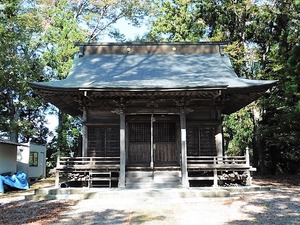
{"x": 164, "y": 144}
{"x": 139, "y": 152}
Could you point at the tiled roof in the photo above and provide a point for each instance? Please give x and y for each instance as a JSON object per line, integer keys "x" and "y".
{"x": 134, "y": 68}
{"x": 152, "y": 71}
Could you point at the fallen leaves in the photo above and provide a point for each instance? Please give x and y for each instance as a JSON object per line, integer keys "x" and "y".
{"x": 24, "y": 212}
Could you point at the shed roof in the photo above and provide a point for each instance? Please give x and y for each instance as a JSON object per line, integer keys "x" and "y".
{"x": 153, "y": 66}
{"x": 8, "y": 142}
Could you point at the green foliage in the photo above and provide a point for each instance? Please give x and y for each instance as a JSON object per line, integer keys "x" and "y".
{"x": 264, "y": 44}
{"x": 98, "y": 17}
{"x": 22, "y": 115}
{"x": 67, "y": 142}
{"x": 238, "y": 131}
{"x": 37, "y": 44}
{"x": 61, "y": 31}
{"x": 176, "y": 20}
{"x": 280, "y": 60}
{"x": 65, "y": 23}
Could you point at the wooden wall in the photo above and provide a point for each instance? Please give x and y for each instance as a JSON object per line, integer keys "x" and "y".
{"x": 103, "y": 133}
{"x": 202, "y": 126}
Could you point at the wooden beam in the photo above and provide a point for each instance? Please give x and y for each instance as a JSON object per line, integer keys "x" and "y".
{"x": 140, "y": 110}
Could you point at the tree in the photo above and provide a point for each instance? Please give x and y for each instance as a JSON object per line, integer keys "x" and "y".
{"x": 272, "y": 28}
{"x": 232, "y": 21}
{"x": 99, "y": 17}
{"x": 181, "y": 20}
{"x": 264, "y": 44}
{"x": 22, "y": 114}
{"x": 280, "y": 60}
{"x": 61, "y": 31}
{"x": 65, "y": 23}
{"x": 176, "y": 20}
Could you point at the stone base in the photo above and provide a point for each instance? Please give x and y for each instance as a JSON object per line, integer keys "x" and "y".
{"x": 140, "y": 195}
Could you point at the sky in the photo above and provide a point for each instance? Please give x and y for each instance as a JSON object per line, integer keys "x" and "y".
{"x": 128, "y": 30}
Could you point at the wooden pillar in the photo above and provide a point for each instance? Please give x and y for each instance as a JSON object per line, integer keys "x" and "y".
{"x": 184, "y": 173}
{"x": 215, "y": 174}
{"x": 152, "y": 144}
{"x": 84, "y": 134}
{"x": 249, "y": 178}
{"x": 57, "y": 172}
{"x": 122, "y": 151}
{"x": 247, "y": 156}
{"x": 219, "y": 141}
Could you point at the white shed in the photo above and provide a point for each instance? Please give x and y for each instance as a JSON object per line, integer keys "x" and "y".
{"x": 8, "y": 156}
{"x": 31, "y": 159}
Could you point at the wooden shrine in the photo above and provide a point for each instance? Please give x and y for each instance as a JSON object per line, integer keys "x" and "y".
{"x": 152, "y": 107}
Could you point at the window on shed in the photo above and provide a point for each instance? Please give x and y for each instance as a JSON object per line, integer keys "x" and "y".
{"x": 33, "y": 159}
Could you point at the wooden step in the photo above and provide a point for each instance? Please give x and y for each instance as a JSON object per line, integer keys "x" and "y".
{"x": 100, "y": 179}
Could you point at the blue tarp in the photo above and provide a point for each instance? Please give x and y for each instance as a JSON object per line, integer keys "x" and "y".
{"x": 18, "y": 180}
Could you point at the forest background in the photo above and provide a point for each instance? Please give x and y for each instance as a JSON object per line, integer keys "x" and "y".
{"x": 37, "y": 44}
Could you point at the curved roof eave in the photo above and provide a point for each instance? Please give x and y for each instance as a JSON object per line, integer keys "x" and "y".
{"x": 151, "y": 72}
{"x": 238, "y": 98}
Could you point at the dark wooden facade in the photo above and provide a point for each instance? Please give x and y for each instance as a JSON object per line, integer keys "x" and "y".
{"x": 162, "y": 130}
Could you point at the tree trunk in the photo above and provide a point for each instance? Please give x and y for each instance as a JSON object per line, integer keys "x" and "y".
{"x": 258, "y": 151}
{"x": 14, "y": 119}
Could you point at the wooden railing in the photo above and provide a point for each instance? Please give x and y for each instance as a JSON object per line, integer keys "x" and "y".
{"x": 229, "y": 162}
{"x": 88, "y": 163}
{"x": 217, "y": 164}
{"x": 93, "y": 169}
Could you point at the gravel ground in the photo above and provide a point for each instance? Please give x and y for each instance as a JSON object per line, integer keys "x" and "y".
{"x": 281, "y": 205}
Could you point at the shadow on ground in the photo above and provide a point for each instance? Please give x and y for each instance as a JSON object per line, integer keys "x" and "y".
{"x": 110, "y": 217}
{"x": 279, "y": 207}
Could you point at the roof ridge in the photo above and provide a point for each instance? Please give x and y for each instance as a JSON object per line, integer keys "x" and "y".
{"x": 152, "y": 48}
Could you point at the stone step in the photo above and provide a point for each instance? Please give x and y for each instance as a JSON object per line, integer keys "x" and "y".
{"x": 60, "y": 191}
{"x": 154, "y": 175}
{"x": 55, "y": 197}
{"x": 153, "y": 179}
{"x": 142, "y": 195}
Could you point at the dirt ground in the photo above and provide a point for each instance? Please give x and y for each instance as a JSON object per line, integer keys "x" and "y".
{"x": 281, "y": 205}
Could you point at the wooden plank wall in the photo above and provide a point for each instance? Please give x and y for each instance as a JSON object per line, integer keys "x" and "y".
{"x": 103, "y": 141}
{"x": 202, "y": 126}
{"x": 103, "y": 133}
